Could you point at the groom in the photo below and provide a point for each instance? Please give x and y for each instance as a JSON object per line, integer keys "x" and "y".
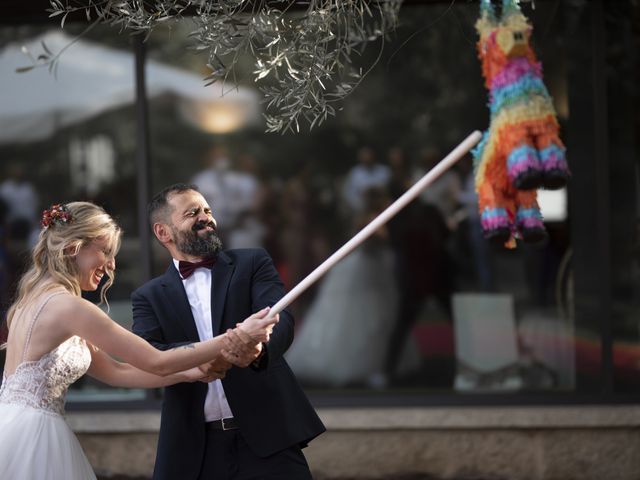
{"x": 254, "y": 422}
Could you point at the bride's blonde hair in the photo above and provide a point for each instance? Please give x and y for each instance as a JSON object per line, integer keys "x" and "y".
{"x": 53, "y": 256}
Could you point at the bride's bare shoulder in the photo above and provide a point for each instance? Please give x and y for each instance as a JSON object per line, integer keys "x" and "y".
{"x": 59, "y": 303}
{"x": 71, "y": 304}
{"x": 69, "y": 314}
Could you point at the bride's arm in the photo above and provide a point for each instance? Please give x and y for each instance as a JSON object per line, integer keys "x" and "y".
{"x": 89, "y": 322}
{"x": 118, "y": 374}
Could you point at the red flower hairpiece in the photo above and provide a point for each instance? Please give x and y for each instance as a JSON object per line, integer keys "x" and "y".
{"x": 58, "y": 213}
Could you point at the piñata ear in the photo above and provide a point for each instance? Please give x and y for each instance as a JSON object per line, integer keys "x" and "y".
{"x": 510, "y": 7}
{"x": 487, "y": 20}
{"x": 513, "y": 17}
{"x": 486, "y": 9}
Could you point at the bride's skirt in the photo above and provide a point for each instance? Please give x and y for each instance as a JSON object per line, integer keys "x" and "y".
{"x": 38, "y": 445}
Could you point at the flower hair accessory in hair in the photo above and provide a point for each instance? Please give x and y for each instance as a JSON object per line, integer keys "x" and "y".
{"x": 58, "y": 213}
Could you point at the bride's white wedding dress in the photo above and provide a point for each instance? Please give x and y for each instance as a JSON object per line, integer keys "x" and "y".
{"x": 35, "y": 440}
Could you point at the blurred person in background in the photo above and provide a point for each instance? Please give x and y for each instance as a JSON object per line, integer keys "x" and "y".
{"x": 249, "y": 230}
{"x": 20, "y": 195}
{"x": 223, "y": 188}
{"x": 21, "y": 199}
{"x": 400, "y": 179}
{"x": 20, "y": 227}
{"x": 472, "y": 230}
{"x": 444, "y": 192}
{"x": 343, "y": 339}
{"x": 235, "y": 193}
{"x": 295, "y": 232}
{"x": 368, "y": 173}
{"x": 419, "y": 235}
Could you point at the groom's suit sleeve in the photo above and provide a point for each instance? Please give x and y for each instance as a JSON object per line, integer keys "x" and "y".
{"x": 266, "y": 290}
{"x": 146, "y": 324}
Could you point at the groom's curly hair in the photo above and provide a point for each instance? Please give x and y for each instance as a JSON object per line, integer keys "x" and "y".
{"x": 159, "y": 209}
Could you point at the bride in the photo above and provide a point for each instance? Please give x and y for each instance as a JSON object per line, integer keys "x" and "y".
{"x": 55, "y": 337}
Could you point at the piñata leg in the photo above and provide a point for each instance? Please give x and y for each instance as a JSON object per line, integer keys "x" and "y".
{"x": 552, "y": 155}
{"x": 494, "y": 215}
{"x": 523, "y": 163}
{"x": 528, "y": 219}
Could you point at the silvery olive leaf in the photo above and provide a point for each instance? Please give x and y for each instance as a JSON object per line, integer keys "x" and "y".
{"x": 303, "y": 51}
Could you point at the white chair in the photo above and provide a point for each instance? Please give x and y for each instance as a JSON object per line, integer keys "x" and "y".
{"x": 486, "y": 342}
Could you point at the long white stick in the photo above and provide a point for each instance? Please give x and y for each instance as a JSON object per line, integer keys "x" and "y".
{"x": 446, "y": 163}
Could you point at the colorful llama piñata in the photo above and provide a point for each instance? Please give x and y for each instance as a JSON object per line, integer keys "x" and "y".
{"x": 522, "y": 150}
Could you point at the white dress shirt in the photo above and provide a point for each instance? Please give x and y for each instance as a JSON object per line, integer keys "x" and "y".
{"x": 198, "y": 288}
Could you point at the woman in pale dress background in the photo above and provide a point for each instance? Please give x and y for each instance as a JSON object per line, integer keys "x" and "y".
{"x": 344, "y": 336}
{"x": 55, "y": 336}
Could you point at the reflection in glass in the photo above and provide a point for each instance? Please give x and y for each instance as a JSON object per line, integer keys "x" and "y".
{"x": 428, "y": 304}
{"x": 67, "y": 138}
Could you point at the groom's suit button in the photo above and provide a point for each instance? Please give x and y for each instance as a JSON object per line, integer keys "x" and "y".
{"x": 222, "y": 424}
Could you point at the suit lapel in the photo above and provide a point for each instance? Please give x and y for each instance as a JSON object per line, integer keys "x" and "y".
{"x": 178, "y": 302}
{"x": 222, "y": 273}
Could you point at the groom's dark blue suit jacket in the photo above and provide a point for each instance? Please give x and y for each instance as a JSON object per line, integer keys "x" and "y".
{"x": 270, "y": 408}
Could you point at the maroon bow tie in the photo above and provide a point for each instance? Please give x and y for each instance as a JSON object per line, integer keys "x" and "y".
{"x": 187, "y": 268}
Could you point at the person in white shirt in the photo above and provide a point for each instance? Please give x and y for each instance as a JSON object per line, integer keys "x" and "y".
{"x": 367, "y": 174}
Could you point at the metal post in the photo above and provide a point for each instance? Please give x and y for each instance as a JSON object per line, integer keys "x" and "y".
{"x": 602, "y": 190}
{"x": 143, "y": 161}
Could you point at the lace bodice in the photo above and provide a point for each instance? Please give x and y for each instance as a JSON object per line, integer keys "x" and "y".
{"x": 43, "y": 383}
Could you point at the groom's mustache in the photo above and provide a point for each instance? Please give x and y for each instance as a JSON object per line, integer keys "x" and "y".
{"x": 201, "y": 225}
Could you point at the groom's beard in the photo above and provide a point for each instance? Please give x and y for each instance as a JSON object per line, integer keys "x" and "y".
{"x": 196, "y": 244}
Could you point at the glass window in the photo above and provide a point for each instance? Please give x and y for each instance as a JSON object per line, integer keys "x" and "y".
{"x": 426, "y": 305}
{"x": 68, "y": 137}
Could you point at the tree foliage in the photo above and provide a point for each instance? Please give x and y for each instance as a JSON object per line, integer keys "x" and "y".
{"x": 303, "y": 50}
